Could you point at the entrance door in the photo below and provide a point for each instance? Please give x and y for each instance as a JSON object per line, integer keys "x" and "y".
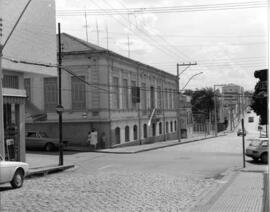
{"x": 117, "y": 135}
{"x": 11, "y": 123}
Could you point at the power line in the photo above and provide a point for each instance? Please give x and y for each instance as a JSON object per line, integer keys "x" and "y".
{"x": 150, "y": 41}
{"x": 171, "y": 9}
{"x": 97, "y": 85}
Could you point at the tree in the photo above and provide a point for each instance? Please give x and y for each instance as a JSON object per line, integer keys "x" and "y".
{"x": 259, "y": 98}
{"x": 188, "y": 92}
{"x": 202, "y": 104}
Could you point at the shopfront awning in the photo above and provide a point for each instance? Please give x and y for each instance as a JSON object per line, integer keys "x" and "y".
{"x": 13, "y": 96}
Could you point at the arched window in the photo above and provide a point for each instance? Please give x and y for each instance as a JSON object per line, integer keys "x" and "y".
{"x": 135, "y": 132}
{"x": 117, "y": 135}
{"x": 126, "y": 133}
{"x": 171, "y": 124}
{"x": 145, "y": 131}
{"x": 153, "y": 129}
{"x": 160, "y": 128}
{"x": 167, "y": 127}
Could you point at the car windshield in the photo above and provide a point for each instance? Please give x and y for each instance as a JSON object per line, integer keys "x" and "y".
{"x": 43, "y": 134}
{"x": 256, "y": 142}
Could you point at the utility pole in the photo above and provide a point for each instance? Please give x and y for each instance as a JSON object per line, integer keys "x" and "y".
{"x": 243, "y": 143}
{"x": 2, "y": 139}
{"x": 86, "y": 26}
{"x": 59, "y": 107}
{"x": 187, "y": 65}
{"x": 215, "y": 108}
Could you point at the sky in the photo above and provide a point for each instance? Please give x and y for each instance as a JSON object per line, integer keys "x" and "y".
{"x": 228, "y": 43}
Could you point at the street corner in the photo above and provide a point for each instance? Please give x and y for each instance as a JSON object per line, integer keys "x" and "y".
{"x": 43, "y": 171}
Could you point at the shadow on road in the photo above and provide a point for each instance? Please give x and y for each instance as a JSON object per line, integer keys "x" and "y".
{"x": 5, "y": 188}
{"x": 38, "y": 152}
{"x": 255, "y": 162}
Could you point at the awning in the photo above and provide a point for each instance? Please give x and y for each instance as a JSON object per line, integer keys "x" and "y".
{"x": 13, "y": 96}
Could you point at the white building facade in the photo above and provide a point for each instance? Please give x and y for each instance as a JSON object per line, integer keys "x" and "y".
{"x": 33, "y": 40}
{"x": 125, "y": 101}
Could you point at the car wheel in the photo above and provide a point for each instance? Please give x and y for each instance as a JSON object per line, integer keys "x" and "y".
{"x": 255, "y": 159}
{"x": 17, "y": 180}
{"x": 49, "y": 147}
{"x": 264, "y": 158}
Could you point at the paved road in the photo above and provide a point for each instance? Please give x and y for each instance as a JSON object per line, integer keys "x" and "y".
{"x": 168, "y": 179}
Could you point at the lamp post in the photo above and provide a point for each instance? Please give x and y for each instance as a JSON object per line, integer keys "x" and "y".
{"x": 59, "y": 107}
{"x": 215, "y": 107}
{"x": 190, "y": 80}
{"x": 178, "y": 96}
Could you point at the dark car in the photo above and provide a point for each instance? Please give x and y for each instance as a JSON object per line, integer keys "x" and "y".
{"x": 240, "y": 132}
{"x": 40, "y": 140}
{"x": 250, "y": 119}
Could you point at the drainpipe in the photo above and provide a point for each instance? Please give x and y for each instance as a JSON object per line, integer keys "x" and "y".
{"x": 163, "y": 109}
{"x": 109, "y": 99}
{"x": 138, "y": 108}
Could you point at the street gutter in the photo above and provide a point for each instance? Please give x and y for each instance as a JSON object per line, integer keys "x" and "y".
{"x": 43, "y": 171}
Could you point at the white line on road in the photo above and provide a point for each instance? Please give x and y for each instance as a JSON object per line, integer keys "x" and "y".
{"x": 105, "y": 167}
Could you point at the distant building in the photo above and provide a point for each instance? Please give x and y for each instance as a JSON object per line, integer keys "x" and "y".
{"x": 33, "y": 40}
{"x": 186, "y": 116}
{"x": 125, "y": 101}
{"x": 234, "y": 103}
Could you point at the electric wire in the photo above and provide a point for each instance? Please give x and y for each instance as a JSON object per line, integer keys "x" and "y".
{"x": 172, "y": 9}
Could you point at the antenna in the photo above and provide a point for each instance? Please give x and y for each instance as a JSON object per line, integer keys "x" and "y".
{"x": 97, "y": 32}
{"x": 86, "y": 26}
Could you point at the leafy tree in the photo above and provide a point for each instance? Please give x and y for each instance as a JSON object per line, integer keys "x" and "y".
{"x": 259, "y": 98}
{"x": 202, "y": 103}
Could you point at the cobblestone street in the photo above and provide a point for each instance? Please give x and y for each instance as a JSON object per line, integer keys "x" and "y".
{"x": 107, "y": 191}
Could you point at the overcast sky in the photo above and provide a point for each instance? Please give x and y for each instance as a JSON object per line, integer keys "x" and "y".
{"x": 227, "y": 44}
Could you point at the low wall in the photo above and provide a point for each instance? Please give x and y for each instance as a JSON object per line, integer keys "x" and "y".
{"x": 75, "y": 133}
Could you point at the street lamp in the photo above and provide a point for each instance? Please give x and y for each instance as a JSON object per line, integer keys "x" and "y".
{"x": 178, "y": 95}
{"x": 215, "y": 107}
{"x": 191, "y": 79}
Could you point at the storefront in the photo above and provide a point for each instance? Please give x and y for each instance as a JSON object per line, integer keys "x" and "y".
{"x": 13, "y": 107}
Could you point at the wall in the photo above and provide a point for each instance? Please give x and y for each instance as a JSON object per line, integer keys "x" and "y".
{"x": 74, "y": 132}
{"x": 34, "y": 37}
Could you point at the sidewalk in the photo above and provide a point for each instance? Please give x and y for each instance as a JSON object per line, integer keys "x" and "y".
{"x": 143, "y": 147}
{"x": 245, "y": 190}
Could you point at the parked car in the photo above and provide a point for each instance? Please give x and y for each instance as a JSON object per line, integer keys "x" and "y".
{"x": 40, "y": 140}
{"x": 13, "y": 172}
{"x": 250, "y": 119}
{"x": 258, "y": 149}
{"x": 239, "y": 132}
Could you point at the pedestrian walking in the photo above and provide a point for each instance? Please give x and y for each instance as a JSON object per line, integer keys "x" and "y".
{"x": 92, "y": 137}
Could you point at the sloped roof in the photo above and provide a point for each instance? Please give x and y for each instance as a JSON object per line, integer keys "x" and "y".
{"x": 74, "y": 44}
{"x": 71, "y": 43}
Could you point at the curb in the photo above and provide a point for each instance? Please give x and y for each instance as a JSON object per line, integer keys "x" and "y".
{"x": 142, "y": 150}
{"x": 265, "y": 198}
{"x": 43, "y": 171}
{"x": 158, "y": 147}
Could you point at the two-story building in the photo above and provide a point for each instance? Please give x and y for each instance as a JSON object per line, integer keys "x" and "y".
{"x": 125, "y": 101}
{"x": 234, "y": 103}
{"x": 33, "y": 40}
